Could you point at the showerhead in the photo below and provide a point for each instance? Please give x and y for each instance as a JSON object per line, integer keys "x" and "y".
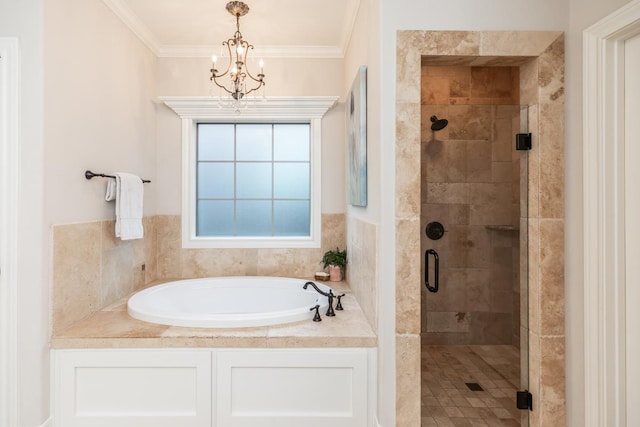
{"x": 438, "y": 124}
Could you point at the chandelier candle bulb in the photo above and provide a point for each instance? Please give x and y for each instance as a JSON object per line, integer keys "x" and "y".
{"x": 261, "y": 64}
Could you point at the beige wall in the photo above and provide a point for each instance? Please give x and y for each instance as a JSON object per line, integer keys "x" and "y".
{"x": 362, "y": 223}
{"x": 99, "y": 109}
{"x": 284, "y": 77}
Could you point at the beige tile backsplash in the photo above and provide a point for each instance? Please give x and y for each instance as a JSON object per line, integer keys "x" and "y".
{"x": 92, "y": 268}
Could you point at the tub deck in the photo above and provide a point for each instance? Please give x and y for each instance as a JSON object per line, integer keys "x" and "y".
{"x": 112, "y": 327}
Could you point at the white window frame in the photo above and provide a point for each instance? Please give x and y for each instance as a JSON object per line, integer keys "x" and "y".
{"x": 194, "y": 110}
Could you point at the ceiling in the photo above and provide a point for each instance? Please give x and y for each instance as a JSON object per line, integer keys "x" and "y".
{"x": 277, "y": 28}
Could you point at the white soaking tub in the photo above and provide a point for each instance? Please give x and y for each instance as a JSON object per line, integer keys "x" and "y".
{"x": 228, "y": 302}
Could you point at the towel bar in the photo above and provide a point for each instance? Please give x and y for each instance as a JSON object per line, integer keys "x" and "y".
{"x": 89, "y": 175}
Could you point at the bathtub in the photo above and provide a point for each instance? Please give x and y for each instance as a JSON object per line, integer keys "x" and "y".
{"x": 227, "y": 302}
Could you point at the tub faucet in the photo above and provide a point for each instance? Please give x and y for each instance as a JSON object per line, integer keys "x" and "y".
{"x": 329, "y": 296}
{"x": 316, "y": 288}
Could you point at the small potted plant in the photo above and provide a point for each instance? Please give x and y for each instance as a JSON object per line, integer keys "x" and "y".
{"x": 336, "y": 261}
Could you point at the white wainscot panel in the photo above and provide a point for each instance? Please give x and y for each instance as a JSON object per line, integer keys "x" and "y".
{"x": 134, "y": 388}
{"x": 291, "y": 388}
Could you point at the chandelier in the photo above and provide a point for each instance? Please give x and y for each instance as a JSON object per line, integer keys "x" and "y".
{"x": 241, "y": 82}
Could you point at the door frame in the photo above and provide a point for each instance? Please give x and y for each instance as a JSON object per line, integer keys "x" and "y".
{"x": 604, "y": 222}
{"x": 9, "y": 165}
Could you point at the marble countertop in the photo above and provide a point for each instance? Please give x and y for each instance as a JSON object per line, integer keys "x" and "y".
{"x": 112, "y": 327}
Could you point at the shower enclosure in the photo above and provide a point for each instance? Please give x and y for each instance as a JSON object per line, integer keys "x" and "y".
{"x": 473, "y": 222}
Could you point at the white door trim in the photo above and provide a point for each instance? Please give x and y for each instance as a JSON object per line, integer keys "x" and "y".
{"x": 9, "y": 161}
{"x": 604, "y": 222}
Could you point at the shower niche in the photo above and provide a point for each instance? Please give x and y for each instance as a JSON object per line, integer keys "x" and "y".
{"x": 473, "y": 180}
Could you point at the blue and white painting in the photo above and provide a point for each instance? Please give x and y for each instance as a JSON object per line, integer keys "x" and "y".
{"x": 357, "y": 140}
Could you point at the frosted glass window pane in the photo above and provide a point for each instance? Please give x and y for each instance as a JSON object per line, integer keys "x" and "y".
{"x": 291, "y": 181}
{"x": 215, "y": 180}
{"x": 291, "y": 142}
{"x": 254, "y": 218}
{"x": 253, "y": 142}
{"x": 253, "y": 180}
{"x": 214, "y": 218}
{"x": 291, "y": 218}
{"x": 215, "y": 142}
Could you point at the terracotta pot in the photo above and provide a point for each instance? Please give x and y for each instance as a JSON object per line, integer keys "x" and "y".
{"x": 335, "y": 273}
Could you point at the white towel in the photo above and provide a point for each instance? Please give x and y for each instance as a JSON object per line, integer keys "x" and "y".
{"x": 128, "y": 191}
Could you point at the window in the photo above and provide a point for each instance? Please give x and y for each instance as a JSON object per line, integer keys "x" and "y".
{"x": 251, "y": 180}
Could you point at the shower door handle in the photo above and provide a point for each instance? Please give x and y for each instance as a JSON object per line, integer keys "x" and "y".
{"x": 436, "y": 272}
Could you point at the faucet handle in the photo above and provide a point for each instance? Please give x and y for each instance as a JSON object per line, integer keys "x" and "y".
{"x": 330, "y": 298}
{"x": 316, "y": 317}
{"x": 339, "y": 304}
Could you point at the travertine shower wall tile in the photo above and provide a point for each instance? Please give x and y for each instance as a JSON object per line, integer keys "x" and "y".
{"x": 169, "y": 246}
{"x": 363, "y": 267}
{"x": 552, "y": 277}
{"x": 470, "y": 122}
{"x": 516, "y": 43}
{"x": 552, "y": 381}
{"x": 92, "y": 268}
{"x": 408, "y": 160}
{"x": 176, "y": 262}
{"x": 551, "y": 142}
{"x": 289, "y": 262}
{"x": 76, "y": 272}
{"x": 116, "y": 266}
{"x": 529, "y": 82}
{"x": 150, "y": 246}
{"x": 551, "y": 73}
{"x": 407, "y": 380}
{"x": 407, "y": 276}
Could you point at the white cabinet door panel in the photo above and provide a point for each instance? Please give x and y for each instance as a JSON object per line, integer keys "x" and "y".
{"x": 134, "y": 388}
{"x": 291, "y": 388}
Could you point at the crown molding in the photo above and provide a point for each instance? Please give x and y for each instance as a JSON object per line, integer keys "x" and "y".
{"x": 199, "y": 51}
{"x": 348, "y": 25}
{"x": 131, "y": 20}
{"x": 206, "y": 107}
{"x": 134, "y": 23}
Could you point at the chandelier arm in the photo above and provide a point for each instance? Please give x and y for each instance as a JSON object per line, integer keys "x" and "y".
{"x": 260, "y": 84}
{"x": 221, "y": 86}
{"x": 213, "y": 77}
{"x": 250, "y": 46}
